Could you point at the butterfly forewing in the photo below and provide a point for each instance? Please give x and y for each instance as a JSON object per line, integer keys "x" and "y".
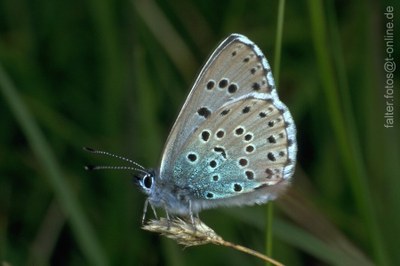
{"x": 233, "y": 135}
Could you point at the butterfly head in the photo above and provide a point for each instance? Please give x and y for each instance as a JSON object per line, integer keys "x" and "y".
{"x": 145, "y": 180}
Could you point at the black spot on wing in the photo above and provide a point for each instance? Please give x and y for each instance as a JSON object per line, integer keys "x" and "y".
{"x": 204, "y": 112}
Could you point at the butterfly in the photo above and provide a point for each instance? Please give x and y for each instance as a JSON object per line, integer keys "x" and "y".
{"x": 233, "y": 143}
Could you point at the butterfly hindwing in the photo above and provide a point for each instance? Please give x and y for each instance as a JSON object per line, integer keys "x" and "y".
{"x": 241, "y": 148}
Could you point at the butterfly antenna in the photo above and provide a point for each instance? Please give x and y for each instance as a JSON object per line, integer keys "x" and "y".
{"x": 102, "y": 167}
{"x": 91, "y": 150}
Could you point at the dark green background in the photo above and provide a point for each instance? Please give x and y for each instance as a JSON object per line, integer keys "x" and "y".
{"x": 113, "y": 74}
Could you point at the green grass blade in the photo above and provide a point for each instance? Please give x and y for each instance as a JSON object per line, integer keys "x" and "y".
{"x": 277, "y": 63}
{"x": 347, "y": 142}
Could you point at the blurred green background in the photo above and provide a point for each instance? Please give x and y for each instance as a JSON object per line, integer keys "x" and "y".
{"x": 113, "y": 74}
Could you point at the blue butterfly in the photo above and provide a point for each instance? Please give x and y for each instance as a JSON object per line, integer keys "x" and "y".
{"x": 233, "y": 143}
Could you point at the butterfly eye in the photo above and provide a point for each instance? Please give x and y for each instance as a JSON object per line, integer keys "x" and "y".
{"x": 147, "y": 181}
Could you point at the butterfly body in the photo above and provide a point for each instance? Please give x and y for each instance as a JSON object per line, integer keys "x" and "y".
{"x": 233, "y": 142}
{"x": 180, "y": 200}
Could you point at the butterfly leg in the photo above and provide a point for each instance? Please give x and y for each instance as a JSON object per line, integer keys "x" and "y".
{"x": 168, "y": 218}
{"x": 146, "y": 203}
{"x": 191, "y": 215}
{"x": 154, "y": 211}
